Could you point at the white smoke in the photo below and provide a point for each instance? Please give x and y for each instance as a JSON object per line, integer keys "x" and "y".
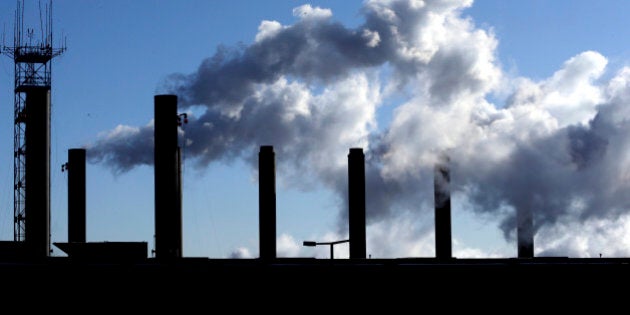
{"x": 393, "y": 237}
{"x": 592, "y": 238}
{"x": 287, "y": 246}
{"x": 556, "y": 147}
{"x": 240, "y": 253}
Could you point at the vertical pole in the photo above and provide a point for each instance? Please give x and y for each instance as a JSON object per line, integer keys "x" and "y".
{"x": 356, "y": 203}
{"x": 168, "y": 217}
{"x": 267, "y": 202}
{"x": 76, "y": 196}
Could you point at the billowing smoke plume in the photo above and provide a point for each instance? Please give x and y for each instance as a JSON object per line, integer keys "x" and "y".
{"x": 556, "y": 147}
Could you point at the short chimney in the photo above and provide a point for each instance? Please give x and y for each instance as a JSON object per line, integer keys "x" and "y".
{"x": 76, "y": 195}
{"x": 525, "y": 233}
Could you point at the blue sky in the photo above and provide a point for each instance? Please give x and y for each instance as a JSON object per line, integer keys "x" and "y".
{"x": 120, "y": 52}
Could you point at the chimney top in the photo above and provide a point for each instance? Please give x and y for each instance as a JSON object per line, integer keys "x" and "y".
{"x": 266, "y": 148}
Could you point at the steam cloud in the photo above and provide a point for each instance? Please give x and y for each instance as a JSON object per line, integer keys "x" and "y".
{"x": 557, "y": 147}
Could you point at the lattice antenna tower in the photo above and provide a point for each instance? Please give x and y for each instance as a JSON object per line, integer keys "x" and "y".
{"x": 32, "y": 58}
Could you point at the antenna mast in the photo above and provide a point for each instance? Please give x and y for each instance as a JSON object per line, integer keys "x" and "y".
{"x": 33, "y": 69}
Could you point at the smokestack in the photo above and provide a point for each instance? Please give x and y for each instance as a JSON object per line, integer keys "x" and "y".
{"x": 525, "y": 233}
{"x": 37, "y": 175}
{"x": 442, "y": 199}
{"x": 76, "y": 195}
{"x": 267, "y": 202}
{"x": 168, "y": 212}
{"x": 356, "y": 203}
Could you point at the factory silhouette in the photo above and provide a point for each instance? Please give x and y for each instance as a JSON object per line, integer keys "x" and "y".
{"x": 30, "y": 249}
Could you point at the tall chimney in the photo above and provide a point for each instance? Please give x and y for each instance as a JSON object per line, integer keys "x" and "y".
{"x": 168, "y": 212}
{"x": 442, "y": 199}
{"x": 37, "y": 175}
{"x": 267, "y": 202}
{"x": 525, "y": 233}
{"x": 76, "y": 195}
{"x": 356, "y": 203}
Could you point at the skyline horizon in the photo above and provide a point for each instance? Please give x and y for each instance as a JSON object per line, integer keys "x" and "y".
{"x": 551, "y": 140}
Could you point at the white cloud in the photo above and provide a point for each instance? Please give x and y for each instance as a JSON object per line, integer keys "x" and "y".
{"x": 307, "y": 12}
